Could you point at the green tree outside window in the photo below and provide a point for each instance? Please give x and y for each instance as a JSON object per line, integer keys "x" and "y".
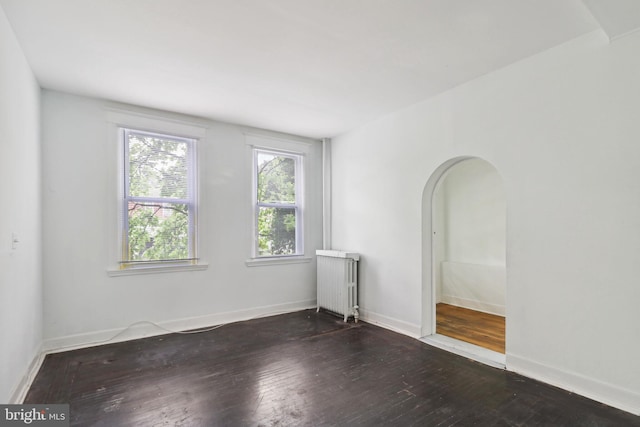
{"x": 158, "y": 197}
{"x": 277, "y": 209}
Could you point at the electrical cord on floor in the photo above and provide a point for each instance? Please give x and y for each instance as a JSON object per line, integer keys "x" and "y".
{"x": 149, "y": 322}
{"x": 31, "y": 375}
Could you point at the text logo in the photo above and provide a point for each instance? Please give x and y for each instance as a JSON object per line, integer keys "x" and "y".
{"x": 34, "y": 415}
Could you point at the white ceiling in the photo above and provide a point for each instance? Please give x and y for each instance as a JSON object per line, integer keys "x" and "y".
{"x": 309, "y": 67}
{"x": 617, "y": 17}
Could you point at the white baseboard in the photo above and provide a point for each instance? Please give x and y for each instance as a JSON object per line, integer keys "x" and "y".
{"x": 465, "y": 349}
{"x": 611, "y": 395}
{"x": 624, "y": 399}
{"x": 20, "y": 391}
{"x": 142, "y": 330}
{"x": 485, "y": 307}
{"x": 391, "y": 323}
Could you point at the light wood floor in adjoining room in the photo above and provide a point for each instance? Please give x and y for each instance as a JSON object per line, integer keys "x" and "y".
{"x": 475, "y": 327}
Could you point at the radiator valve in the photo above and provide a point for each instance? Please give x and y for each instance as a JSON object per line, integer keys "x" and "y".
{"x": 356, "y": 314}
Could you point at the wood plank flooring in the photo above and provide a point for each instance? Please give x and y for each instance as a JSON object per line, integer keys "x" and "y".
{"x": 475, "y": 327}
{"x": 300, "y": 369}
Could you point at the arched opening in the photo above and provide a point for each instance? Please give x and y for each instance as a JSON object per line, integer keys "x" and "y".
{"x": 464, "y": 268}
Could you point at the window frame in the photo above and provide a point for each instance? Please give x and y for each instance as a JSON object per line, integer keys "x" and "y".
{"x": 298, "y": 205}
{"x": 191, "y": 201}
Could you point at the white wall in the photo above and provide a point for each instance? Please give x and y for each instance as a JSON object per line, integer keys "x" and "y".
{"x": 79, "y": 205}
{"x": 475, "y": 214}
{"x": 562, "y": 130}
{"x": 478, "y": 287}
{"x": 20, "y": 268}
{"x": 472, "y": 232}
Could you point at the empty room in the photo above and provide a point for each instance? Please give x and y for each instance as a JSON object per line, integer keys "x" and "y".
{"x": 323, "y": 212}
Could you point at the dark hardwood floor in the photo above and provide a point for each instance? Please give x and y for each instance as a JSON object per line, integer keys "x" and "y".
{"x": 475, "y": 327}
{"x": 300, "y": 369}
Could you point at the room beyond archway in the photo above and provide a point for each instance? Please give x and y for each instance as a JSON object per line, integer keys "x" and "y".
{"x": 468, "y": 254}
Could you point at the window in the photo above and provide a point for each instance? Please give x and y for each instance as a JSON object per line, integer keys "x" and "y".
{"x": 278, "y": 203}
{"x": 158, "y": 216}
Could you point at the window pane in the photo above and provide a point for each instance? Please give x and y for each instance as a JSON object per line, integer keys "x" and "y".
{"x": 157, "y": 167}
{"x": 276, "y": 231}
{"x": 158, "y": 231}
{"x": 276, "y": 178}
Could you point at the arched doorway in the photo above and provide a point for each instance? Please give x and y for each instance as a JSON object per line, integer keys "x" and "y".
{"x": 464, "y": 268}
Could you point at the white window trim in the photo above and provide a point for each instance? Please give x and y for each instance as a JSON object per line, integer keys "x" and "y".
{"x": 134, "y": 271}
{"x": 264, "y": 261}
{"x": 136, "y": 121}
{"x": 190, "y": 201}
{"x": 298, "y": 149}
{"x": 298, "y": 206}
{"x": 150, "y": 123}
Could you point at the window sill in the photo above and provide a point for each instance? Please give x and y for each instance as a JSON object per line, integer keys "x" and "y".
{"x": 259, "y": 262}
{"x": 134, "y": 271}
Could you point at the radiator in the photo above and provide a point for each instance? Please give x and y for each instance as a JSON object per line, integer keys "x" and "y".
{"x": 338, "y": 282}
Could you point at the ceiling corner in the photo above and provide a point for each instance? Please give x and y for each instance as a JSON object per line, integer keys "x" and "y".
{"x": 617, "y": 18}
